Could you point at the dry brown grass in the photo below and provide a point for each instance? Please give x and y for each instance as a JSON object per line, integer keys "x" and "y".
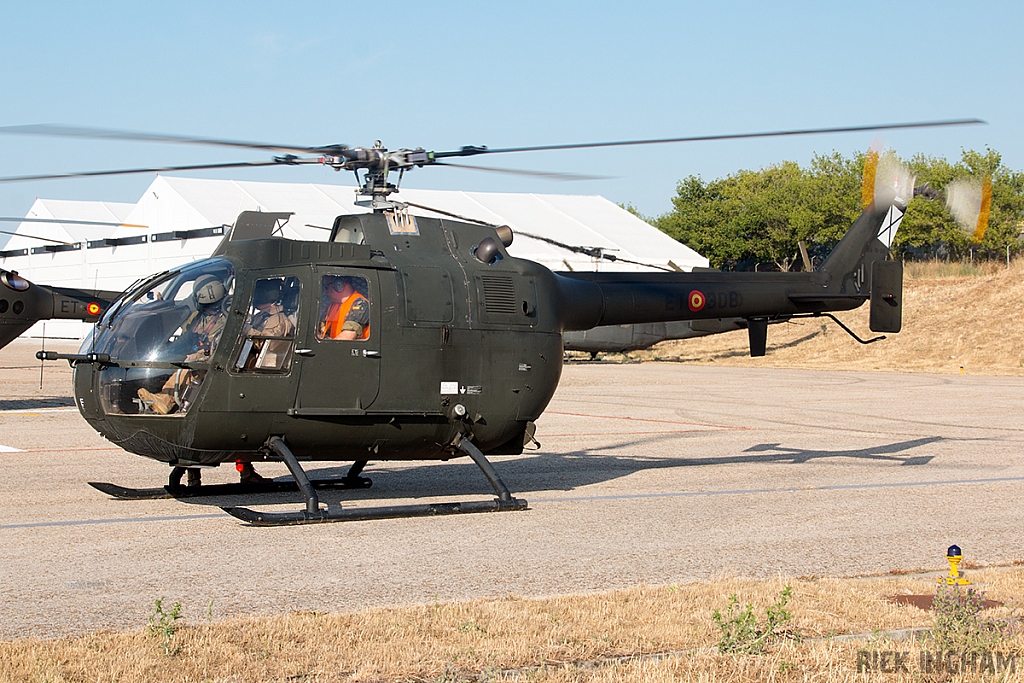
{"x": 955, "y": 315}
{"x": 460, "y": 641}
{"x": 828, "y": 662}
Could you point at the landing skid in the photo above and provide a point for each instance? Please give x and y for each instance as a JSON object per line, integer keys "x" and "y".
{"x": 174, "y": 488}
{"x": 126, "y": 493}
{"x": 314, "y": 514}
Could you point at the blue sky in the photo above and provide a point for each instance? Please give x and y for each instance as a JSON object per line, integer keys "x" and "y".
{"x": 446, "y": 74}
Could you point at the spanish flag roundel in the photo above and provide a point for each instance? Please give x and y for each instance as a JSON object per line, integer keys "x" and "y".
{"x": 696, "y": 300}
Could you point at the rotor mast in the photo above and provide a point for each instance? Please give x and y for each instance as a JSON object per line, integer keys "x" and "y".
{"x": 376, "y": 163}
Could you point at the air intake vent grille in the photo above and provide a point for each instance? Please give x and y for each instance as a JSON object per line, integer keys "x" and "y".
{"x": 499, "y": 294}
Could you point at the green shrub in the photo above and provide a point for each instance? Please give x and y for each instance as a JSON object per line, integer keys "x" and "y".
{"x": 164, "y": 624}
{"x": 742, "y": 633}
{"x": 958, "y": 624}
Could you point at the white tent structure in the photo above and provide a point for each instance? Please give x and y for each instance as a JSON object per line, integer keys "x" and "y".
{"x": 178, "y": 220}
{"x": 57, "y": 251}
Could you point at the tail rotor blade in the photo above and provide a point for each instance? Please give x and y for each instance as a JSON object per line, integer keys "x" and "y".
{"x": 892, "y": 177}
{"x": 969, "y": 201}
{"x": 867, "y": 189}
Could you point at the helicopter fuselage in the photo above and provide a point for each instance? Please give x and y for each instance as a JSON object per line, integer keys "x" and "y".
{"x": 461, "y": 341}
{"x": 454, "y": 346}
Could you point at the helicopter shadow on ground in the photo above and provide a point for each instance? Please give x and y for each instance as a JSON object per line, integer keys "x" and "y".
{"x": 568, "y": 471}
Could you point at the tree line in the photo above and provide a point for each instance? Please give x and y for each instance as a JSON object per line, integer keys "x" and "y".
{"x": 756, "y": 219}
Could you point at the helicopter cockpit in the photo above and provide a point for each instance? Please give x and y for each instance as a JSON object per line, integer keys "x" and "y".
{"x": 160, "y": 337}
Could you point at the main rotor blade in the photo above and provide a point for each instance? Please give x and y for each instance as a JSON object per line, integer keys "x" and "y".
{"x": 162, "y": 169}
{"x": 473, "y": 151}
{"x": 550, "y": 175}
{"x": 55, "y": 130}
{"x": 593, "y": 252}
{"x": 14, "y": 219}
{"x": 34, "y": 237}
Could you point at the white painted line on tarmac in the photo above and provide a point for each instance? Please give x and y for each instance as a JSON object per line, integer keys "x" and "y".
{"x": 9, "y": 449}
{"x": 795, "y": 489}
{"x": 113, "y": 520}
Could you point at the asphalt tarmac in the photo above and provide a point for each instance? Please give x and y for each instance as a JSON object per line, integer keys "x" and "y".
{"x": 652, "y": 473}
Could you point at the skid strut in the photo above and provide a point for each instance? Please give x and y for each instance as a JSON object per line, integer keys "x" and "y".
{"x": 314, "y": 514}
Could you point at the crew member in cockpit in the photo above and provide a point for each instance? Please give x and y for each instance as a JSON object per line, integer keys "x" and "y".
{"x": 201, "y": 331}
{"x": 270, "y": 320}
{"x": 348, "y": 315}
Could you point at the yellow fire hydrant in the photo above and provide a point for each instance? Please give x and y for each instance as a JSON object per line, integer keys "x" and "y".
{"x": 956, "y": 577}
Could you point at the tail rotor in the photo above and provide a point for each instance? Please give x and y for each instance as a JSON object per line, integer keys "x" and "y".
{"x": 969, "y": 201}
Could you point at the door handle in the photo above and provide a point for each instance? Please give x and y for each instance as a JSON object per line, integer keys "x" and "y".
{"x": 304, "y": 352}
{"x": 371, "y": 354}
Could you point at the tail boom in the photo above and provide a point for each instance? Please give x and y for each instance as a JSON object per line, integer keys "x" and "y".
{"x": 24, "y": 303}
{"x": 844, "y": 282}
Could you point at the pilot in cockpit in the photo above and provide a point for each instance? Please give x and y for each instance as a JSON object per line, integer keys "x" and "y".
{"x": 201, "y": 331}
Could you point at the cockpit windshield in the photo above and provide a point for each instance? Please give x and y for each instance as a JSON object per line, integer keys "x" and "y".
{"x": 169, "y": 318}
{"x": 173, "y": 318}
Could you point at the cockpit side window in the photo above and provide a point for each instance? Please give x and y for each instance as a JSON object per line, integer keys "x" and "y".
{"x": 344, "y": 308}
{"x": 269, "y": 338}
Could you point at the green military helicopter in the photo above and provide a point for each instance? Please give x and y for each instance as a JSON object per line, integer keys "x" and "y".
{"x": 399, "y": 338}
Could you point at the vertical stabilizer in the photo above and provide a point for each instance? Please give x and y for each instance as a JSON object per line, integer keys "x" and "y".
{"x": 861, "y": 264}
{"x": 867, "y": 242}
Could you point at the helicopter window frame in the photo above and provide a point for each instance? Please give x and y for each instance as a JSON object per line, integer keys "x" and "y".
{"x": 164, "y": 339}
{"x": 328, "y": 298}
{"x": 133, "y": 294}
{"x": 146, "y": 287}
{"x": 270, "y": 353}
